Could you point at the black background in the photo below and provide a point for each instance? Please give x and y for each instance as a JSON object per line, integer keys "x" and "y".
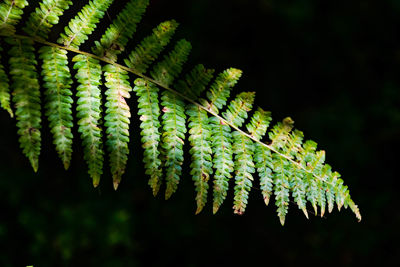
{"x": 333, "y": 66}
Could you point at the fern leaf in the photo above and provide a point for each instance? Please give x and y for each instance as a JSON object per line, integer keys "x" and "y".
{"x": 10, "y": 14}
{"x": 279, "y": 134}
{"x": 42, "y": 20}
{"x": 221, "y": 135}
{"x": 5, "y": 97}
{"x": 167, "y": 70}
{"x": 89, "y": 113}
{"x": 221, "y": 88}
{"x": 149, "y": 49}
{"x": 113, "y": 42}
{"x": 299, "y": 187}
{"x": 200, "y": 140}
{"x": 195, "y": 82}
{"x": 285, "y": 165}
{"x": 314, "y": 166}
{"x": 343, "y": 196}
{"x": 263, "y": 161}
{"x": 353, "y": 207}
{"x": 117, "y": 120}
{"x": 80, "y": 27}
{"x": 294, "y": 144}
{"x": 340, "y": 193}
{"x": 174, "y": 118}
{"x": 243, "y": 149}
{"x": 173, "y": 136}
{"x": 221, "y": 139}
{"x": 282, "y": 170}
{"x": 258, "y": 125}
{"x": 57, "y": 81}
{"x": 292, "y": 148}
{"x": 289, "y": 177}
{"x": 307, "y": 153}
{"x": 26, "y": 96}
{"x": 238, "y": 108}
{"x": 199, "y": 134}
{"x": 329, "y": 189}
{"x": 343, "y": 199}
{"x": 325, "y": 196}
{"x": 149, "y": 112}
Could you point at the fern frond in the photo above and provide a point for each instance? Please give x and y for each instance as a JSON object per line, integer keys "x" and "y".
{"x": 340, "y": 193}
{"x": 328, "y": 186}
{"x": 221, "y": 88}
{"x": 42, "y": 20}
{"x": 195, "y": 82}
{"x": 293, "y": 146}
{"x": 200, "y": 140}
{"x": 80, "y": 27}
{"x": 167, "y": 70}
{"x": 199, "y": 134}
{"x": 10, "y": 14}
{"x": 283, "y": 171}
{"x": 298, "y": 187}
{"x": 287, "y": 177}
{"x": 279, "y": 134}
{"x": 5, "y": 97}
{"x": 149, "y": 49}
{"x": 257, "y": 127}
{"x": 57, "y": 81}
{"x": 264, "y": 165}
{"x": 114, "y": 40}
{"x": 354, "y": 208}
{"x": 238, "y": 108}
{"x": 314, "y": 166}
{"x": 56, "y": 76}
{"x": 89, "y": 113}
{"x": 174, "y": 118}
{"x": 117, "y": 120}
{"x": 259, "y": 123}
{"x": 343, "y": 197}
{"x": 221, "y": 138}
{"x": 26, "y": 96}
{"x": 243, "y": 149}
{"x": 173, "y": 136}
{"x": 286, "y": 166}
{"x": 149, "y": 112}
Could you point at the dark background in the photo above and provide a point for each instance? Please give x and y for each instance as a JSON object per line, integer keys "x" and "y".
{"x": 333, "y": 66}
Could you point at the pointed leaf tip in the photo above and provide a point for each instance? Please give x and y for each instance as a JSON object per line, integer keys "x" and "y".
{"x": 305, "y": 212}
{"x": 215, "y": 210}
{"x": 266, "y": 200}
{"x": 198, "y": 210}
{"x": 116, "y": 184}
{"x": 315, "y": 209}
{"x": 96, "y": 181}
{"x": 35, "y": 165}
{"x": 322, "y": 212}
{"x": 66, "y": 166}
{"x": 155, "y": 192}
